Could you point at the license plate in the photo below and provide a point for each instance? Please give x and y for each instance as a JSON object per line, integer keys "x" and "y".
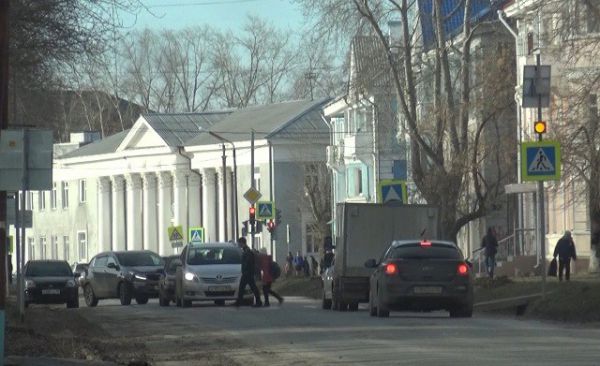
{"x": 51, "y": 292}
{"x": 427, "y": 290}
{"x": 219, "y": 288}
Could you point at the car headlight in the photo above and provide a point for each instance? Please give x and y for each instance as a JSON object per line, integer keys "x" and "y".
{"x": 190, "y": 276}
{"x": 29, "y": 284}
{"x": 140, "y": 277}
{"x": 70, "y": 283}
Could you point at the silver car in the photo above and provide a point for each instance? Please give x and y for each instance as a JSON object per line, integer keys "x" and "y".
{"x": 209, "y": 272}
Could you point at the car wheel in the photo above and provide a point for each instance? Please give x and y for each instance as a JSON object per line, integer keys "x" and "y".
{"x": 382, "y": 310}
{"x": 90, "y": 298}
{"x": 186, "y": 303}
{"x": 141, "y": 299}
{"x": 326, "y": 303}
{"x": 353, "y": 306}
{"x": 162, "y": 301}
{"x": 462, "y": 311}
{"x": 220, "y": 302}
{"x": 125, "y": 294}
{"x": 73, "y": 303}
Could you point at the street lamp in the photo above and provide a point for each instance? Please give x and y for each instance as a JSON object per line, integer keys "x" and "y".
{"x": 235, "y": 196}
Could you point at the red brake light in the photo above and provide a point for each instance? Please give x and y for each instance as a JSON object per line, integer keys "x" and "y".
{"x": 391, "y": 269}
{"x": 425, "y": 243}
{"x": 463, "y": 269}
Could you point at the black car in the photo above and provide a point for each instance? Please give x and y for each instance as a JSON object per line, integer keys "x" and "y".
{"x": 50, "y": 282}
{"x": 421, "y": 275}
{"x": 166, "y": 285}
{"x": 122, "y": 275}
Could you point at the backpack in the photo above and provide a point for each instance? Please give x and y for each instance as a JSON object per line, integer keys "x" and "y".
{"x": 275, "y": 270}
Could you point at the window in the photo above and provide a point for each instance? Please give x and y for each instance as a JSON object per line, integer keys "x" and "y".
{"x": 42, "y": 200}
{"x": 100, "y": 261}
{"x": 110, "y": 260}
{"x": 65, "y": 194}
{"x": 82, "y": 191}
{"x": 355, "y": 182}
{"x": 311, "y": 244}
{"x": 54, "y": 248}
{"x": 53, "y": 196}
{"x": 140, "y": 259}
{"x": 66, "y": 248}
{"x": 31, "y": 248}
{"x": 82, "y": 245}
{"x": 43, "y": 248}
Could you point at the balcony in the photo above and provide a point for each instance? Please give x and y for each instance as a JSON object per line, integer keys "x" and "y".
{"x": 358, "y": 146}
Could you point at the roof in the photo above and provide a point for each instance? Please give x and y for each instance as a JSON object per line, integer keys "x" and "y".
{"x": 105, "y": 146}
{"x": 265, "y": 120}
{"x": 371, "y": 63}
{"x": 177, "y": 128}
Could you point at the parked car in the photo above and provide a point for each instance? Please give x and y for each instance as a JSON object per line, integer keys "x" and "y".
{"x": 122, "y": 275}
{"x": 421, "y": 275}
{"x": 166, "y": 284}
{"x": 79, "y": 271}
{"x": 50, "y": 282}
{"x": 209, "y": 272}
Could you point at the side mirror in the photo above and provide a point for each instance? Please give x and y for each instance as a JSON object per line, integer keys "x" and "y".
{"x": 371, "y": 263}
{"x": 113, "y": 266}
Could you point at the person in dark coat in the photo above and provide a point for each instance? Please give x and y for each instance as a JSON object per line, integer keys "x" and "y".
{"x": 490, "y": 243}
{"x": 248, "y": 271}
{"x": 565, "y": 251}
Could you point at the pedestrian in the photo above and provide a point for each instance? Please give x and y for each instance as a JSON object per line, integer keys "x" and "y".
{"x": 268, "y": 277}
{"x": 306, "y": 267}
{"x": 490, "y": 243}
{"x": 565, "y": 250}
{"x": 298, "y": 264}
{"x": 289, "y": 264}
{"x": 248, "y": 271}
{"x": 315, "y": 266}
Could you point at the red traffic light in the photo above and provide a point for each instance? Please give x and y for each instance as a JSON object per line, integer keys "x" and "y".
{"x": 271, "y": 226}
{"x": 252, "y": 212}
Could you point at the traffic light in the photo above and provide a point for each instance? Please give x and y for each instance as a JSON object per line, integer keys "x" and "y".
{"x": 278, "y": 217}
{"x": 252, "y": 215}
{"x": 271, "y": 226}
{"x": 540, "y": 127}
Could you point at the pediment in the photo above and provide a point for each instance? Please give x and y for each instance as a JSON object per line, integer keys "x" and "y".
{"x": 141, "y": 136}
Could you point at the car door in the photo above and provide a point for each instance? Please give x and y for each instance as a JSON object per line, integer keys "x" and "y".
{"x": 96, "y": 275}
{"x": 112, "y": 276}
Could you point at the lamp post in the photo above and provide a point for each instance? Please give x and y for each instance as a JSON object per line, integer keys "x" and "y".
{"x": 234, "y": 183}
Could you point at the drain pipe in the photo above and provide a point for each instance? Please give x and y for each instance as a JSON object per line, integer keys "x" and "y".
{"x": 520, "y": 211}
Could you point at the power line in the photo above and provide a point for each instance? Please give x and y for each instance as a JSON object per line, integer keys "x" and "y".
{"x": 204, "y": 3}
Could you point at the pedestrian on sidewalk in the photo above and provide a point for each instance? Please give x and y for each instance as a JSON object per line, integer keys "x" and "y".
{"x": 268, "y": 276}
{"x": 490, "y": 243}
{"x": 248, "y": 270}
{"x": 299, "y": 264}
{"x": 565, "y": 250}
{"x": 289, "y": 264}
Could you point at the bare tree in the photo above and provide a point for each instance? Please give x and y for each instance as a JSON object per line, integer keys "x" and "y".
{"x": 447, "y": 142}
{"x": 317, "y": 189}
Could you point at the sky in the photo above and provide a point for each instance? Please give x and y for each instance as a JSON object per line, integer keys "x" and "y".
{"x": 224, "y": 14}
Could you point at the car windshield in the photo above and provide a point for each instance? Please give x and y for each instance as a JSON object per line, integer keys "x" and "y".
{"x": 138, "y": 259}
{"x": 207, "y": 255}
{"x": 48, "y": 269}
{"x": 416, "y": 251}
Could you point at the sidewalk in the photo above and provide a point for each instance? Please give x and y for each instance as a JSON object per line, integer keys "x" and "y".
{"x": 45, "y": 361}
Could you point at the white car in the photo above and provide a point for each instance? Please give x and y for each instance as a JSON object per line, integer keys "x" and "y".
{"x": 209, "y": 272}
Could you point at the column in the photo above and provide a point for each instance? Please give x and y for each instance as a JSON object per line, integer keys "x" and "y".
{"x": 209, "y": 204}
{"x": 194, "y": 204}
{"x": 118, "y": 213}
{"x": 222, "y": 220}
{"x": 134, "y": 211}
{"x": 165, "y": 184}
{"x": 104, "y": 234}
{"x": 180, "y": 202}
{"x": 150, "y": 224}
{"x": 230, "y": 213}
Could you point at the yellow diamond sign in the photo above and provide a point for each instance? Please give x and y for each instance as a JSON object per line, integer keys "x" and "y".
{"x": 252, "y": 195}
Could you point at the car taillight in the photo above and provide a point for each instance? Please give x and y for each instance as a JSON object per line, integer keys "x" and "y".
{"x": 462, "y": 269}
{"x": 425, "y": 243}
{"x": 391, "y": 269}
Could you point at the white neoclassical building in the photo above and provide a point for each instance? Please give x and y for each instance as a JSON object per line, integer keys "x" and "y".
{"x": 124, "y": 191}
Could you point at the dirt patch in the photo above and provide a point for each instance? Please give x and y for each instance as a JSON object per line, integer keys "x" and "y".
{"x": 299, "y": 286}
{"x": 52, "y": 331}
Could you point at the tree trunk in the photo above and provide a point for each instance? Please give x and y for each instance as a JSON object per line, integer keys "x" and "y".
{"x": 594, "y": 212}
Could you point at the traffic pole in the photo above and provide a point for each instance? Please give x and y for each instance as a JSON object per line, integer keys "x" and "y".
{"x": 252, "y": 224}
{"x": 540, "y": 192}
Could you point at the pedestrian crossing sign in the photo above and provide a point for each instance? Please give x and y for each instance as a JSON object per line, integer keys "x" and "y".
{"x": 392, "y": 190}
{"x": 196, "y": 235}
{"x": 540, "y": 160}
{"x": 265, "y": 210}
{"x": 175, "y": 236}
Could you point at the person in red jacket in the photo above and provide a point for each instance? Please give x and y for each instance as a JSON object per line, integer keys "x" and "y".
{"x": 267, "y": 277}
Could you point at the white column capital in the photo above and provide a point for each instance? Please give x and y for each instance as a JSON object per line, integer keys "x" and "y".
{"x": 179, "y": 178}
{"x": 104, "y": 184}
{"x": 208, "y": 176}
{"x": 149, "y": 181}
{"x": 118, "y": 183}
{"x": 134, "y": 181}
{"x": 194, "y": 179}
{"x": 165, "y": 179}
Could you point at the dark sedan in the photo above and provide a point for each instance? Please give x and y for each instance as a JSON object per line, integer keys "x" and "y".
{"x": 166, "y": 285}
{"x": 421, "y": 276}
{"x": 50, "y": 282}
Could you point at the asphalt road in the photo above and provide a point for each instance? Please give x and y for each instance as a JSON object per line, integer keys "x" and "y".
{"x": 300, "y": 333}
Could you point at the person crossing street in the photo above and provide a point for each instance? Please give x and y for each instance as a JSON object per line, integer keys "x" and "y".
{"x": 248, "y": 270}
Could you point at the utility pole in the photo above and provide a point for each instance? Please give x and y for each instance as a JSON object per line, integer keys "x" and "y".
{"x": 253, "y": 223}
{"x": 224, "y": 192}
{"x": 4, "y": 8}
{"x": 540, "y": 192}
{"x": 310, "y": 76}
{"x": 271, "y": 189}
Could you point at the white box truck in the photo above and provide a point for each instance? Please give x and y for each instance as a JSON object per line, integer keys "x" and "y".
{"x": 363, "y": 231}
